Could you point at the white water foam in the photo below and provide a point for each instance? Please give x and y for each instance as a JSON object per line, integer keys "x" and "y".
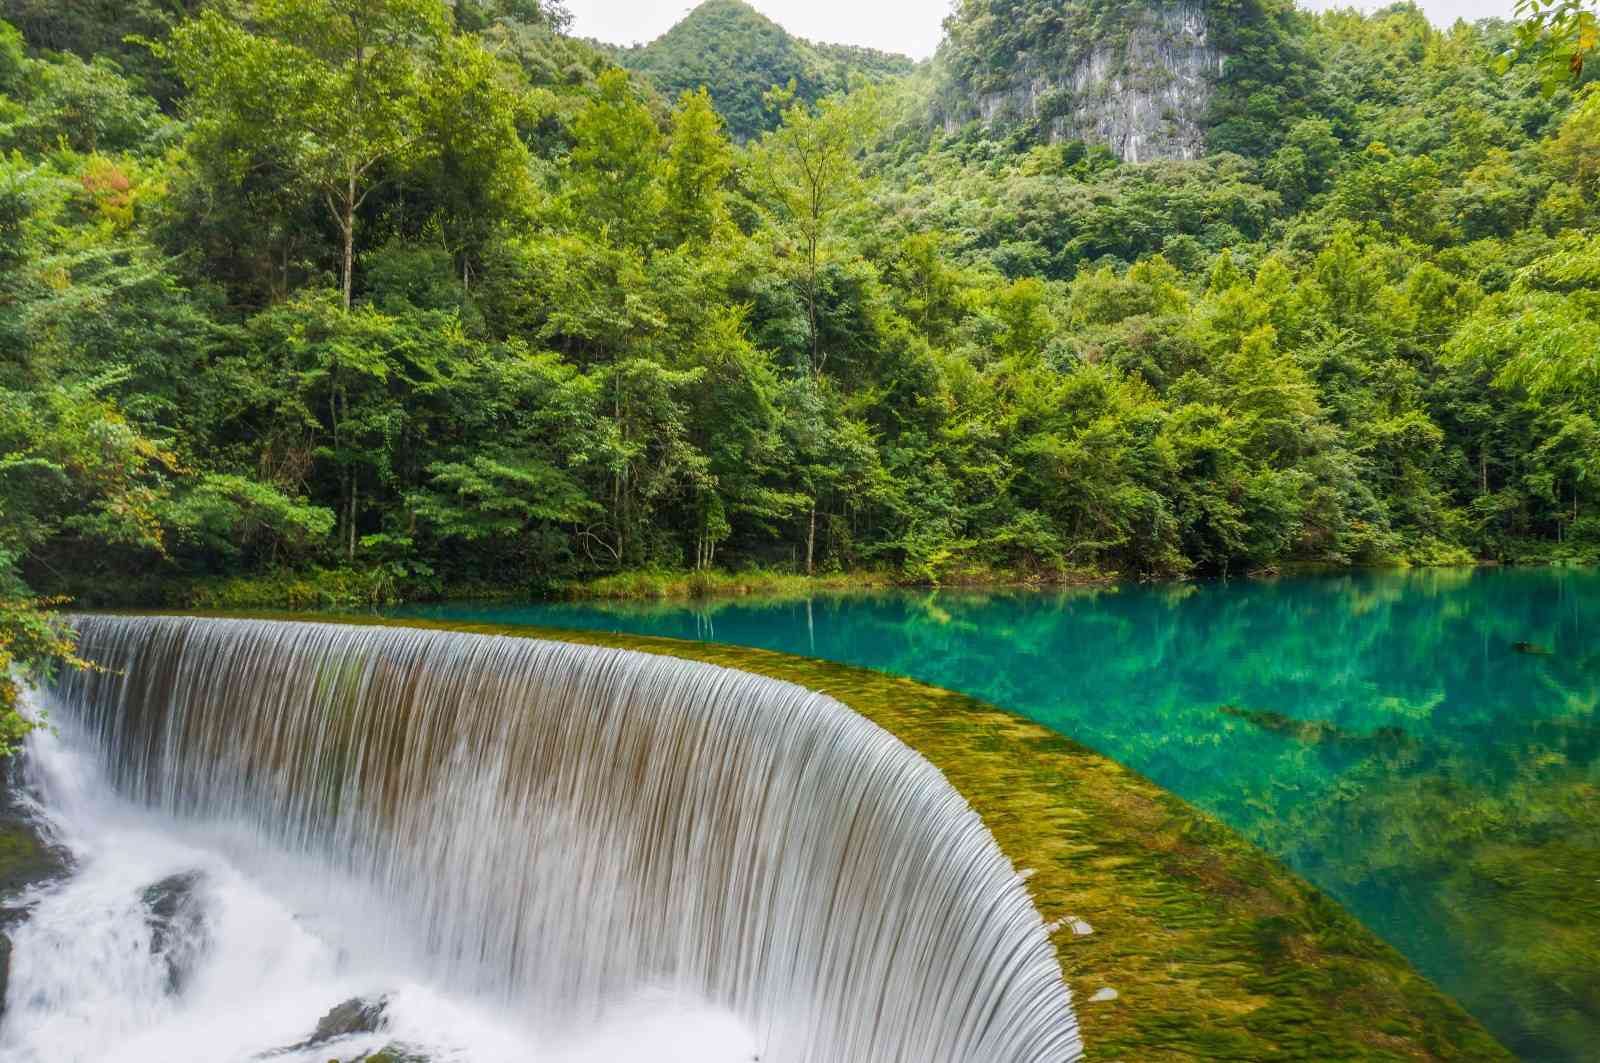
{"x": 88, "y": 986}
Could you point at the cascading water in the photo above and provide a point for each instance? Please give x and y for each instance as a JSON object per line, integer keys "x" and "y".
{"x": 564, "y": 844}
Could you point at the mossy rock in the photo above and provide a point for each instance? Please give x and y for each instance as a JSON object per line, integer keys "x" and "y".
{"x": 1215, "y": 950}
{"x": 393, "y": 1054}
{"x": 26, "y": 858}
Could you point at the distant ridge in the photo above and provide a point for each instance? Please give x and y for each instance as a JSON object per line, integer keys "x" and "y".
{"x": 738, "y": 53}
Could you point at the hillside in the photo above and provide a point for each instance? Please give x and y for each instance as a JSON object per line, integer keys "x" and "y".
{"x": 737, "y": 53}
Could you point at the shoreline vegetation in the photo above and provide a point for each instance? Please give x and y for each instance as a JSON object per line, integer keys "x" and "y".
{"x": 1214, "y": 949}
{"x": 349, "y": 588}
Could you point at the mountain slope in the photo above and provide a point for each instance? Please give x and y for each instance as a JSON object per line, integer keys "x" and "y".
{"x": 738, "y": 54}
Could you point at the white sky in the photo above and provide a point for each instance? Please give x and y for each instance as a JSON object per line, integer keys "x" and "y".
{"x": 911, "y": 27}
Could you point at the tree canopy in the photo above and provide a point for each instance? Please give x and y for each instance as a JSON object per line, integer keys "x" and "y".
{"x": 394, "y": 296}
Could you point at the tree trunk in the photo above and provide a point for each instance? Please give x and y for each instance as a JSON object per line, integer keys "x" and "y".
{"x": 349, "y": 226}
{"x": 619, "y": 489}
{"x": 811, "y": 311}
{"x": 811, "y": 538}
{"x": 334, "y": 419}
{"x": 354, "y": 489}
{"x": 811, "y": 316}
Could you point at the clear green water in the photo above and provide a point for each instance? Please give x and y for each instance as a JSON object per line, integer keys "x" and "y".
{"x": 1381, "y": 732}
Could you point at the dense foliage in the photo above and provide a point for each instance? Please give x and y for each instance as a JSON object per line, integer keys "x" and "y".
{"x": 394, "y": 296}
{"x": 738, "y": 54}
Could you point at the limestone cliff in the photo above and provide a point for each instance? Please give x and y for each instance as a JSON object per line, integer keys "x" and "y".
{"x": 1135, "y": 76}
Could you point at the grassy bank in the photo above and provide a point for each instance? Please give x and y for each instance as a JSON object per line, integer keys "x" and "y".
{"x": 346, "y": 588}
{"x": 714, "y": 583}
{"x": 1215, "y": 950}
{"x": 354, "y": 588}
{"x": 667, "y": 583}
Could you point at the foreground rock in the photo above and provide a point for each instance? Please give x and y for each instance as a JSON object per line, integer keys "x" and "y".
{"x": 355, "y": 1016}
{"x": 178, "y": 931}
{"x": 27, "y": 856}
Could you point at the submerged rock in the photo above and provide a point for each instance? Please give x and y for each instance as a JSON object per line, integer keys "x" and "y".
{"x": 178, "y": 932}
{"x": 1315, "y": 732}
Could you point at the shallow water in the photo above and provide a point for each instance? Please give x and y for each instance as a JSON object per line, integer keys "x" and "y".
{"x": 1424, "y": 745}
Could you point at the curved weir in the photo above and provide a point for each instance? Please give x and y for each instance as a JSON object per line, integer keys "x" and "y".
{"x": 557, "y": 828}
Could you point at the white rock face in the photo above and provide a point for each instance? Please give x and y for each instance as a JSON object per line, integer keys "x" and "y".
{"x": 1144, "y": 98}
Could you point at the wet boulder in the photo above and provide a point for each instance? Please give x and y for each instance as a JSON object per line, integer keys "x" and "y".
{"x": 352, "y": 1018}
{"x": 27, "y": 856}
{"x": 355, "y": 1016}
{"x": 358, "y": 1015}
{"x": 175, "y": 909}
{"x": 27, "y": 859}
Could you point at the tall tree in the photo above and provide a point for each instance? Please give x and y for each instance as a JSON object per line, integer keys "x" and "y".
{"x": 615, "y": 164}
{"x": 335, "y": 87}
{"x": 698, "y": 164}
{"x": 812, "y": 167}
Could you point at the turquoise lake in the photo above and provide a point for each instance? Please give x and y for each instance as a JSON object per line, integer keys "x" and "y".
{"x": 1424, "y": 745}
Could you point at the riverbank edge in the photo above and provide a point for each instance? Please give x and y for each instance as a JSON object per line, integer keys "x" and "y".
{"x": 1214, "y": 950}
{"x": 344, "y": 588}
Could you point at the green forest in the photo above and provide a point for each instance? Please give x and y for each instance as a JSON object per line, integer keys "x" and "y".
{"x": 347, "y": 300}
{"x": 738, "y": 55}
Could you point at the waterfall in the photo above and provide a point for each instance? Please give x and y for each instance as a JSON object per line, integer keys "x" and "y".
{"x": 555, "y": 829}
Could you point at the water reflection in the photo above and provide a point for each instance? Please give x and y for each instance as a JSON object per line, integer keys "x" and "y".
{"x": 1424, "y": 745}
